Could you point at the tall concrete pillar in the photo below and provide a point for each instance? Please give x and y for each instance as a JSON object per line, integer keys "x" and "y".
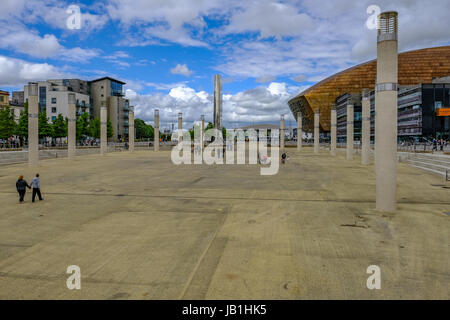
{"x": 350, "y": 129}
{"x": 386, "y": 112}
{"x": 299, "y": 131}
{"x": 202, "y": 133}
{"x": 316, "y": 131}
{"x": 103, "y": 130}
{"x": 333, "y": 130}
{"x": 33, "y": 124}
{"x": 180, "y": 127}
{"x": 131, "y": 130}
{"x": 217, "y": 102}
{"x": 156, "y": 131}
{"x": 365, "y": 129}
{"x": 71, "y": 127}
{"x": 282, "y": 134}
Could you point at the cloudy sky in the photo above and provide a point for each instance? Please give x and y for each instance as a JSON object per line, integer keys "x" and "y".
{"x": 169, "y": 50}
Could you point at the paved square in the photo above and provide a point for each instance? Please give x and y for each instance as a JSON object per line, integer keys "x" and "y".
{"x": 141, "y": 228}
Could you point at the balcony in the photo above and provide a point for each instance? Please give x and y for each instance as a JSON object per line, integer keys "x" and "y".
{"x": 85, "y": 105}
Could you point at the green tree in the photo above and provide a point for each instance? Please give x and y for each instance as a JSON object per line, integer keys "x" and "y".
{"x": 143, "y": 130}
{"x": 59, "y": 127}
{"x": 45, "y": 129}
{"x": 22, "y": 127}
{"x": 209, "y": 126}
{"x": 94, "y": 128}
{"x": 109, "y": 129}
{"x": 82, "y": 126}
{"x": 7, "y": 123}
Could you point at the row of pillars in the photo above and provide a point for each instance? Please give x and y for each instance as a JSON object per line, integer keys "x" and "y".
{"x": 365, "y": 150}
{"x": 386, "y": 113}
{"x": 33, "y": 129}
{"x": 180, "y": 129}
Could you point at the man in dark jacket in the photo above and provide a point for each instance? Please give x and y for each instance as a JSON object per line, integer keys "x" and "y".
{"x": 21, "y": 186}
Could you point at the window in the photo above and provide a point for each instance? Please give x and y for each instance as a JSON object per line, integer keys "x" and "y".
{"x": 42, "y": 96}
{"x": 53, "y": 100}
{"x": 53, "y": 110}
{"x": 116, "y": 88}
{"x": 53, "y": 118}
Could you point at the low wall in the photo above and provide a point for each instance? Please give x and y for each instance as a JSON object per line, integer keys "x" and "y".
{"x": 10, "y": 157}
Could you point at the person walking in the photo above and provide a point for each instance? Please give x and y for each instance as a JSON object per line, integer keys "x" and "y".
{"x": 21, "y": 186}
{"x": 36, "y": 184}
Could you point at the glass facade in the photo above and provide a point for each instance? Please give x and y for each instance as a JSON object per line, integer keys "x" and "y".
{"x": 341, "y": 114}
{"x": 116, "y": 89}
{"x": 42, "y": 98}
{"x": 434, "y": 97}
{"x": 418, "y": 112}
{"x": 410, "y": 112}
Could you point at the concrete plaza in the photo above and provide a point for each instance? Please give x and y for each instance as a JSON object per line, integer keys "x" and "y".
{"x": 140, "y": 227}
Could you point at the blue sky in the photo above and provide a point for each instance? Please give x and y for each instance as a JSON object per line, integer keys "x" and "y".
{"x": 168, "y": 51}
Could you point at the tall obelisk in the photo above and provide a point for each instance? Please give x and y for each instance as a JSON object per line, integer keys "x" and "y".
{"x": 217, "y": 102}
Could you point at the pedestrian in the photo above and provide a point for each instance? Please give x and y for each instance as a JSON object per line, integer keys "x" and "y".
{"x": 283, "y": 158}
{"x": 21, "y": 186}
{"x": 36, "y": 184}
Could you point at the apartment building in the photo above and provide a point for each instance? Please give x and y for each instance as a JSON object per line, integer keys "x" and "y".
{"x": 4, "y": 98}
{"x": 5, "y": 102}
{"x": 90, "y": 96}
{"x": 54, "y": 96}
{"x": 109, "y": 92}
{"x": 18, "y": 98}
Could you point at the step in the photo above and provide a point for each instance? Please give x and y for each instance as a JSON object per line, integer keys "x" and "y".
{"x": 431, "y": 156}
{"x": 430, "y": 160}
{"x": 421, "y": 163}
{"x": 441, "y": 173}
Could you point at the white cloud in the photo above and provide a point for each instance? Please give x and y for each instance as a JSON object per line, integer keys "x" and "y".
{"x": 299, "y": 78}
{"x": 54, "y": 13}
{"x": 270, "y": 19}
{"x": 18, "y": 38}
{"x": 264, "y": 79}
{"x": 181, "y": 69}
{"x": 117, "y": 59}
{"x": 337, "y": 40}
{"x": 118, "y": 55}
{"x": 261, "y": 104}
{"x": 165, "y": 86}
{"x": 167, "y": 20}
{"x": 16, "y": 73}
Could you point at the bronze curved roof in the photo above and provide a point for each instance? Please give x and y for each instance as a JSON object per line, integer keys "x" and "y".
{"x": 414, "y": 67}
